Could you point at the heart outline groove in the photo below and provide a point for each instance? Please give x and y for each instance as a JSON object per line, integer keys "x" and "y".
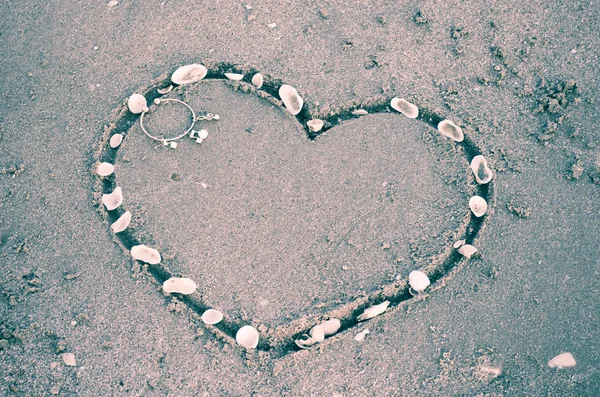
{"x": 279, "y": 342}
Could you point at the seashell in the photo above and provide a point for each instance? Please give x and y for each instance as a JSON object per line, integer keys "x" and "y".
{"x": 467, "y": 250}
{"x": 563, "y": 360}
{"x": 451, "y": 130}
{"x": 179, "y": 285}
{"x": 406, "y": 108}
{"x": 478, "y": 205}
{"x": 145, "y": 254}
{"x": 483, "y": 173}
{"x": 113, "y": 200}
{"x": 257, "y": 80}
{"x": 203, "y": 134}
{"x": 212, "y": 317}
{"x": 247, "y": 337}
{"x": 458, "y": 243}
{"x": 165, "y": 90}
{"x": 234, "y": 76}
{"x": 122, "y": 223}
{"x": 418, "y": 280}
{"x": 112, "y": 3}
{"x": 189, "y": 74}
{"x": 69, "y": 359}
{"x": 315, "y": 125}
{"x": 305, "y": 342}
{"x": 105, "y": 169}
{"x": 115, "y": 140}
{"x": 330, "y": 327}
{"x": 137, "y": 104}
{"x": 317, "y": 333}
{"x": 359, "y": 112}
{"x": 361, "y": 335}
{"x": 373, "y": 311}
{"x": 291, "y": 99}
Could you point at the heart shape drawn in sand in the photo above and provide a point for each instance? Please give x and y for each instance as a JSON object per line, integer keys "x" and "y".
{"x": 322, "y": 195}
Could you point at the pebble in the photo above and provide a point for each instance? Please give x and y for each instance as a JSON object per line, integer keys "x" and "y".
{"x": 291, "y": 99}
{"x": 483, "y": 173}
{"x": 247, "y": 337}
{"x": 189, "y": 74}
{"x": 361, "y": 335}
{"x": 115, "y": 140}
{"x": 145, "y": 254}
{"x": 563, "y": 360}
{"x": 478, "y": 205}
{"x": 406, "y": 108}
{"x": 122, "y": 223}
{"x": 137, "y": 104}
{"x": 374, "y": 311}
{"x": 257, "y": 80}
{"x": 113, "y": 200}
{"x": 315, "y": 125}
{"x": 418, "y": 280}
{"x": 212, "y": 316}
{"x": 69, "y": 359}
{"x": 234, "y": 76}
{"x": 467, "y": 250}
{"x": 451, "y": 130}
{"x": 105, "y": 169}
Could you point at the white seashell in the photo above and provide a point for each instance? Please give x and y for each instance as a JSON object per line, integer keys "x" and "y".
{"x": 467, "y": 250}
{"x": 113, "y": 200}
{"x": 317, "y": 333}
{"x": 212, "y": 317}
{"x": 189, "y": 74}
{"x": 203, "y": 134}
{"x": 483, "y": 173}
{"x": 563, "y": 360}
{"x": 361, "y": 335}
{"x": 330, "y": 327}
{"x": 165, "y": 90}
{"x": 69, "y": 359}
{"x": 418, "y": 280}
{"x": 115, "y": 140}
{"x": 257, "y": 80}
{"x": 359, "y": 112}
{"x": 247, "y": 337}
{"x": 291, "y": 99}
{"x": 406, "y": 108}
{"x": 305, "y": 342}
{"x": 112, "y": 3}
{"x": 373, "y": 311}
{"x": 137, "y": 104}
{"x": 234, "y": 76}
{"x": 458, "y": 243}
{"x": 451, "y": 130}
{"x": 179, "y": 285}
{"x": 145, "y": 254}
{"x": 315, "y": 125}
{"x": 105, "y": 169}
{"x": 122, "y": 223}
{"x": 478, "y": 205}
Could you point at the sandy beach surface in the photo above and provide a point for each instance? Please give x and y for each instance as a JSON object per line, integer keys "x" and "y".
{"x": 280, "y": 229}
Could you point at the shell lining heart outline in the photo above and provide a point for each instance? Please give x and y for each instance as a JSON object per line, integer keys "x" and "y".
{"x": 281, "y": 342}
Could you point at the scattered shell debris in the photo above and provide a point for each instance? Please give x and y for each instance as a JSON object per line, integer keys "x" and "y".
{"x": 189, "y": 74}
{"x": 137, "y": 104}
{"x": 247, "y": 337}
{"x": 459, "y": 243}
{"x": 359, "y": 112}
{"x": 179, "y": 285}
{"x": 69, "y": 359}
{"x": 418, "y": 280}
{"x": 122, "y": 223}
{"x": 113, "y": 200}
{"x": 317, "y": 333}
{"x": 291, "y": 99}
{"x": 105, "y": 169}
{"x": 315, "y": 125}
{"x": 451, "y": 130}
{"x": 234, "y": 76}
{"x": 373, "y": 311}
{"x": 257, "y": 80}
{"x": 406, "y": 108}
{"x": 478, "y": 205}
{"x": 483, "y": 173}
{"x": 305, "y": 341}
{"x": 145, "y": 254}
{"x": 330, "y": 327}
{"x": 115, "y": 140}
{"x": 212, "y": 317}
{"x": 467, "y": 250}
{"x": 361, "y": 335}
{"x": 165, "y": 90}
{"x": 563, "y": 360}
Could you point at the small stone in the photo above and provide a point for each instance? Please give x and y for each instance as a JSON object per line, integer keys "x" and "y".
{"x": 563, "y": 360}
{"x": 145, "y": 254}
{"x": 113, "y": 200}
{"x": 69, "y": 359}
{"x": 180, "y": 285}
{"x": 373, "y": 311}
{"x": 115, "y": 140}
{"x": 418, "y": 280}
{"x": 451, "y": 130}
{"x": 105, "y": 169}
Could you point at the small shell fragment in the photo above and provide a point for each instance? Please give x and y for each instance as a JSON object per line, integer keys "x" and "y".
{"x": 483, "y": 173}
{"x": 361, "y": 335}
{"x": 122, "y": 223}
{"x": 459, "y": 243}
{"x": 406, "y": 108}
{"x": 145, "y": 254}
{"x": 189, "y": 74}
{"x": 180, "y": 285}
{"x": 165, "y": 90}
{"x": 304, "y": 341}
{"x": 115, "y": 140}
{"x": 418, "y": 280}
{"x": 359, "y": 112}
{"x": 105, "y": 169}
{"x": 212, "y": 317}
{"x": 563, "y": 360}
{"x": 467, "y": 250}
{"x": 247, "y": 337}
{"x": 234, "y": 76}
{"x": 69, "y": 359}
{"x": 451, "y": 130}
{"x": 317, "y": 333}
{"x": 315, "y": 125}
{"x": 257, "y": 80}
{"x": 137, "y": 104}
{"x": 478, "y": 205}
{"x": 113, "y": 200}
{"x": 291, "y": 99}
{"x": 112, "y": 3}
{"x": 373, "y": 311}
{"x": 330, "y": 327}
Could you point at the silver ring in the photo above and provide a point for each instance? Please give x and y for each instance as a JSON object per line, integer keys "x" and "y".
{"x": 158, "y": 101}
